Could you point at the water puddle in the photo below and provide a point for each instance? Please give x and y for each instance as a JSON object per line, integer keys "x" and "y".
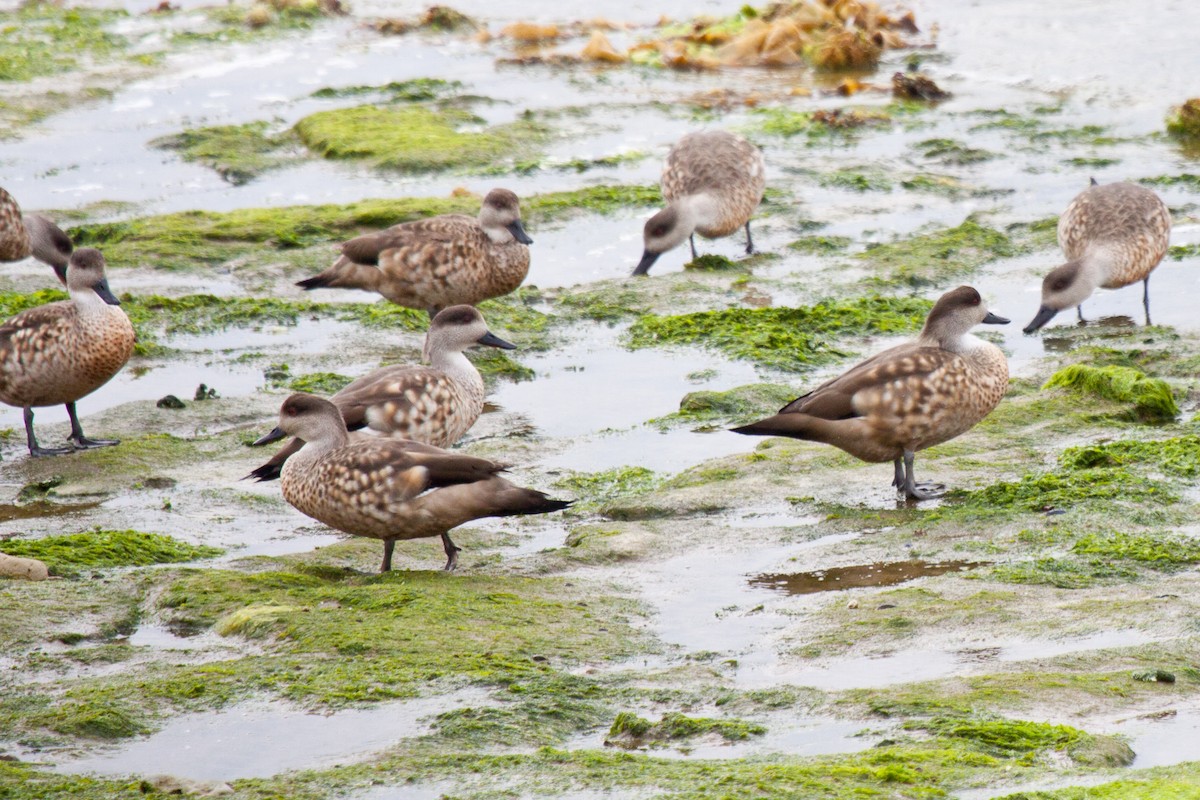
{"x": 867, "y": 575}
{"x": 257, "y": 740}
{"x": 916, "y": 665}
{"x": 39, "y": 509}
{"x": 811, "y": 736}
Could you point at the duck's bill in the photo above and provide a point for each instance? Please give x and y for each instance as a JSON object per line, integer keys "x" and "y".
{"x": 492, "y": 340}
{"x": 518, "y": 232}
{"x": 274, "y": 436}
{"x": 995, "y": 319}
{"x": 1044, "y": 315}
{"x": 106, "y": 293}
{"x": 646, "y": 263}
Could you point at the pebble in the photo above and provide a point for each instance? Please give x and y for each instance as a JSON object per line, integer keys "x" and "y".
{"x": 28, "y": 568}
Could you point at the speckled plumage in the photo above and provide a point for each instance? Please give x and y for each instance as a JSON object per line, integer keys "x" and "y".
{"x": 60, "y": 352}
{"x": 436, "y": 404}
{"x": 1112, "y": 235}
{"x": 438, "y": 262}
{"x": 34, "y": 235}
{"x": 712, "y": 182}
{"x": 722, "y": 164}
{"x": 390, "y": 489}
{"x": 14, "y": 238}
{"x": 909, "y": 397}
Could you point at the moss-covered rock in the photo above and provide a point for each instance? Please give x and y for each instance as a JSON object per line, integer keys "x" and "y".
{"x": 1184, "y": 121}
{"x": 416, "y": 138}
{"x": 630, "y": 731}
{"x": 238, "y": 153}
{"x": 1151, "y": 398}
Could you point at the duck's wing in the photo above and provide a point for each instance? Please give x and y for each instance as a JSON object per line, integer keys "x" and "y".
{"x": 835, "y": 398}
{"x": 418, "y": 234}
{"x": 402, "y": 393}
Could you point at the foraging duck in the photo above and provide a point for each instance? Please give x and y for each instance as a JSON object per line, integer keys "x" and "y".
{"x": 438, "y": 262}
{"x": 908, "y": 397}
{"x": 34, "y": 235}
{"x": 712, "y": 182}
{"x": 1112, "y": 235}
{"x": 435, "y": 404}
{"x": 60, "y": 352}
{"x": 390, "y": 489}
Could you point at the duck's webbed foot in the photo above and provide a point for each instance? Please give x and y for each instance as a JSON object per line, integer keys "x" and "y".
{"x": 924, "y": 490}
{"x": 451, "y": 553}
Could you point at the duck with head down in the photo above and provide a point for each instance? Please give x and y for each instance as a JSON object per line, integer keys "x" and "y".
{"x": 712, "y": 182}
{"x": 392, "y": 489}
{"x": 25, "y": 235}
{"x": 60, "y": 352}
{"x": 438, "y": 262}
{"x": 1113, "y": 236}
{"x": 907, "y": 398}
{"x": 436, "y": 404}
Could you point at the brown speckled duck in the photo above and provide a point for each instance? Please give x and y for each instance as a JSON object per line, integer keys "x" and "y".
{"x": 24, "y": 235}
{"x": 1112, "y": 236}
{"x": 438, "y": 262}
{"x": 712, "y": 182}
{"x": 60, "y": 352}
{"x": 391, "y": 489}
{"x": 908, "y": 397}
{"x": 435, "y": 404}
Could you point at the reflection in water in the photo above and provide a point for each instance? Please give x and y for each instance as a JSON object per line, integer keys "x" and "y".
{"x": 878, "y": 574}
{"x": 39, "y": 509}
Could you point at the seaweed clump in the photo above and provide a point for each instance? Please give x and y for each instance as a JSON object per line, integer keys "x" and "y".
{"x": 630, "y": 731}
{"x": 791, "y": 339}
{"x": 99, "y": 548}
{"x": 1151, "y": 398}
{"x": 1184, "y": 121}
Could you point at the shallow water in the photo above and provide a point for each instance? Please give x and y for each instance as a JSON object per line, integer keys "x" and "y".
{"x": 591, "y": 398}
{"x": 262, "y": 739}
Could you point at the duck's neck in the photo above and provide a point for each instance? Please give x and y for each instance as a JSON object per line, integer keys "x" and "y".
{"x": 328, "y": 435}
{"x": 88, "y": 303}
{"x": 698, "y": 212}
{"x": 455, "y": 364}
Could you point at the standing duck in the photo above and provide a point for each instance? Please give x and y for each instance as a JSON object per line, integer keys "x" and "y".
{"x": 24, "y": 235}
{"x": 908, "y": 397}
{"x": 712, "y": 182}
{"x": 391, "y": 489}
{"x": 435, "y": 404}
{"x": 60, "y": 352}
{"x": 1112, "y": 235}
{"x": 438, "y": 262}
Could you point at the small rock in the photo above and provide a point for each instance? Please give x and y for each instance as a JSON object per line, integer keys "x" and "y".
{"x": 170, "y": 401}
{"x": 205, "y": 393}
{"x": 1155, "y": 676}
{"x": 158, "y": 483}
{"x": 915, "y": 86}
{"x": 29, "y": 569}
{"x": 852, "y": 604}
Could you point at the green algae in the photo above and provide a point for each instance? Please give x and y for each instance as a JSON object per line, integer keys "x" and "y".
{"x": 238, "y": 153}
{"x": 1178, "y": 456}
{"x": 630, "y": 731}
{"x": 1003, "y": 737}
{"x": 595, "y": 489}
{"x": 1183, "y": 122}
{"x": 817, "y": 127}
{"x": 1152, "y": 398}
{"x": 790, "y": 339}
{"x": 1133, "y": 788}
{"x": 953, "y": 152}
{"x": 1038, "y": 132}
{"x": 820, "y": 245}
{"x": 600, "y": 199}
{"x": 711, "y": 262}
{"x": 44, "y": 39}
{"x": 937, "y": 257}
{"x": 1186, "y": 180}
{"x": 1091, "y": 161}
{"x": 67, "y": 553}
{"x": 1058, "y": 491}
{"x": 414, "y": 90}
{"x": 416, "y": 139}
{"x": 604, "y": 305}
{"x": 323, "y": 383}
{"x": 855, "y": 181}
{"x": 741, "y": 404}
{"x": 1064, "y": 573}
{"x": 1163, "y": 552}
